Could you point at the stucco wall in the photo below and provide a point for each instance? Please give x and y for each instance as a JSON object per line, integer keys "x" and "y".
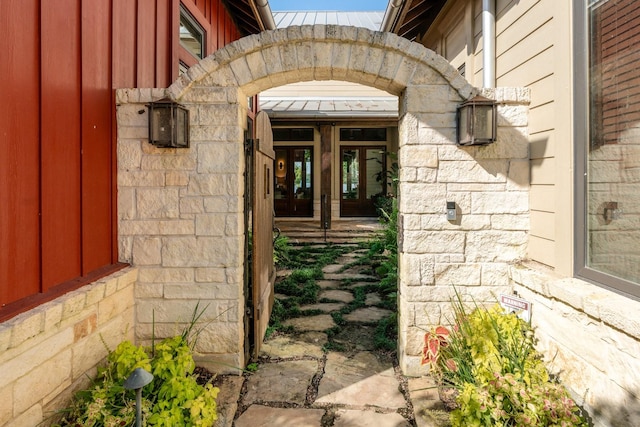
{"x": 48, "y": 353}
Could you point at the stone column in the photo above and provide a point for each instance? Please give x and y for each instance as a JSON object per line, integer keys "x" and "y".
{"x": 489, "y": 185}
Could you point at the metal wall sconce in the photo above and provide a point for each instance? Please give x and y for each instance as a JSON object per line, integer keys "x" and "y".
{"x": 476, "y": 121}
{"x": 168, "y": 124}
{"x": 611, "y": 212}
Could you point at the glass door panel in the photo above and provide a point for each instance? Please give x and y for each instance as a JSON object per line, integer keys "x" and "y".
{"x": 294, "y": 181}
{"x": 375, "y": 177}
{"x": 350, "y": 174}
{"x": 362, "y": 179}
{"x": 281, "y": 187}
{"x": 302, "y": 173}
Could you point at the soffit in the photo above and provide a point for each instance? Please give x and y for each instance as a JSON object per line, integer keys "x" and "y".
{"x": 244, "y": 16}
{"x": 416, "y": 17}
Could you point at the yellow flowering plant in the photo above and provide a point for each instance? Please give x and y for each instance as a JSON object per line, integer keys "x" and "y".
{"x": 175, "y": 397}
{"x": 489, "y": 357}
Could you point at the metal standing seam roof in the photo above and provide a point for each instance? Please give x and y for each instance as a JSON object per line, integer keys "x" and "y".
{"x": 371, "y": 20}
{"x": 324, "y": 107}
{"x": 317, "y": 107}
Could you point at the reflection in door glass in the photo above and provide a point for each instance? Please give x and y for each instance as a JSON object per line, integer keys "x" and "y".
{"x": 350, "y": 174}
{"x": 281, "y": 174}
{"x": 375, "y": 179}
{"x": 302, "y": 173}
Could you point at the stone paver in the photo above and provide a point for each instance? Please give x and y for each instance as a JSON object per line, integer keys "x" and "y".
{"x": 347, "y": 418}
{"x": 360, "y": 380}
{"x": 283, "y": 273}
{"x": 314, "y": 337}
{"x": 284, "y": 347}
{"x": 357, "y": 270}
{"x": 353, "y": 285}
{"x": 348, "y": 257}
{"x": 325, "y": 284}
{"x": 311, "y": 323}
{"x": 332, "y": 268}
{"x": 367, "y": 314}
{"x": 324, "y": 306}
{"x": 349, "y": 276}
{"x": 372, "y": 299}
{"x": 365, "y": 341}
{"x": 281, "y": 382}
{"x": 354, "y": 388}
{"x": 227, "y": 400}
{"x": 427, "y": 407}
{"x": 336, "y": 295}
{"x": 264, "y": 416}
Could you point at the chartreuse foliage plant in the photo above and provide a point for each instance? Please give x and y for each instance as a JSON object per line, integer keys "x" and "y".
{"x": 489, "y": 357}
{"x": 173, "y": 398}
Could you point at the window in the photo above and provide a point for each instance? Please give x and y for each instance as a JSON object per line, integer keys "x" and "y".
{"x": 607, "y": 131}
{"x": 363, "y": 134}
{"x": 293, "y": 134}
{"x": 182, "y": 67}
{"x": 462, "y": 69}
{"x": 192, "y": 35}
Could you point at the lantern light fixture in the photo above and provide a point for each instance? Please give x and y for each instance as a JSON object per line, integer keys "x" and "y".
{"x": 476, "y": 121}
{"x": 168, "y": 124}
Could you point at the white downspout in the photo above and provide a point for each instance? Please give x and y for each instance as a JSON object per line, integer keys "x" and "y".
{"x": 391, "y": 14}
{"x": 266, "y": 16}
{"x": 489, "y": 43}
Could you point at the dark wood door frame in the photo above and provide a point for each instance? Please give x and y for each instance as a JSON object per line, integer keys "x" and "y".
{"x": 360, "y": 205}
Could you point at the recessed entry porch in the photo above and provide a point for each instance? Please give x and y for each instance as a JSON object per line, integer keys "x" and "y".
{"x": 336, "y": 144}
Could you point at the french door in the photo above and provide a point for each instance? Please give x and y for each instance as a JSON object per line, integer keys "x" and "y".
{"x": 294, "y": 181}
{"x": 362, "y": 179}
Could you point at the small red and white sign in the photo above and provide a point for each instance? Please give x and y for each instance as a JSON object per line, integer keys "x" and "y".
{"x": 516, "y": 305}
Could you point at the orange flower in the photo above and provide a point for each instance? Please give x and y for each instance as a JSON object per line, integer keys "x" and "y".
{"x": 433, "y": 340}
{"x": 451, "y": 365}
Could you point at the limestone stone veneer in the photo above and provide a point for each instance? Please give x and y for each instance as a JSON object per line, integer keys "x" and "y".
{"x": 181, "y": 220}
{"x": 48, "y": 353}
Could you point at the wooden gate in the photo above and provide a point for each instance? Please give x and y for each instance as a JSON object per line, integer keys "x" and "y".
{"x": 263, "y": 273}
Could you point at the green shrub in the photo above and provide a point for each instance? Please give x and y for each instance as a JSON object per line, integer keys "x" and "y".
{"x": 489, "y": 356}
{"x": 174, "y": 398}
{"x": 386, "y": 246}
{"x": 281, "y": 248}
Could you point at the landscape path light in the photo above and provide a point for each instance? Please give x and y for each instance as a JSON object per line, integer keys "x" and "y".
{"x": 136, "y": 381}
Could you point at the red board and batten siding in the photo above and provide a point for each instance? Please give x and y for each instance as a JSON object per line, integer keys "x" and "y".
{"x": 97, "y": 163}
{"x": 19, "y": 150}
{"x": 60, "y": 62}
{"x": 60, "y": 115}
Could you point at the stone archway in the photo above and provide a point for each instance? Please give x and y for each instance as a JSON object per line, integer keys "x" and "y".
{"x": 183, "y": 228}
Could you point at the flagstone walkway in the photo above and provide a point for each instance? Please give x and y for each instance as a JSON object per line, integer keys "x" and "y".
{"x": 303, "y": 380}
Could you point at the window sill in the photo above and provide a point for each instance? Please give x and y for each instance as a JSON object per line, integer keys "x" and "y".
{"x": 618, "y": 311}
